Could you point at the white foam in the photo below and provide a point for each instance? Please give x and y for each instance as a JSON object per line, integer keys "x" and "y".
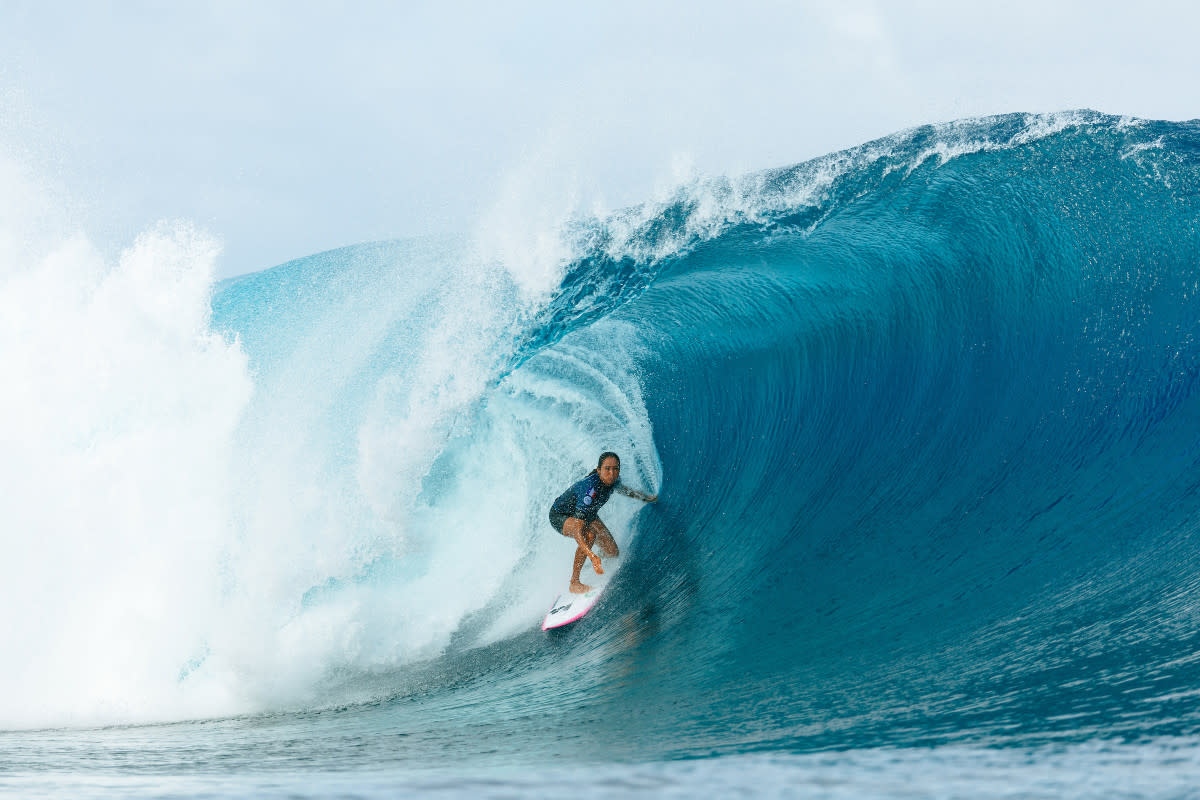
{"x": 1041, "y": 126}
{"x": 116, "y": 426}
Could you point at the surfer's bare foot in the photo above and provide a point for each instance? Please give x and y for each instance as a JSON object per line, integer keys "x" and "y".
{"x": 596, "y": 565}
{"x": 579, "y": 588}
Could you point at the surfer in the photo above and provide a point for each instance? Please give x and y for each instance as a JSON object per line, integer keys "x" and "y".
{"x": 576, "y": 514}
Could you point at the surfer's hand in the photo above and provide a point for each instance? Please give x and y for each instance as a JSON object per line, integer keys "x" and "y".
{"x": 651, "y": 498}
{"x": 596, "y": 564}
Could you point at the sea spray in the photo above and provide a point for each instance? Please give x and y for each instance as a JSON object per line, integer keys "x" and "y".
{"x": 117, "y": 425}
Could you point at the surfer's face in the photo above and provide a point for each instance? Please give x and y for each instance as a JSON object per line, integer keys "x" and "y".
{"x": 610, "y": 471}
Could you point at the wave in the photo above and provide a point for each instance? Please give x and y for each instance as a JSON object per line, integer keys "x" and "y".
{"x": 921, "y": 415}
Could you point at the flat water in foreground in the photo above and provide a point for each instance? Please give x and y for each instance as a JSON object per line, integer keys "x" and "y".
{"x": 1163, "y": 768}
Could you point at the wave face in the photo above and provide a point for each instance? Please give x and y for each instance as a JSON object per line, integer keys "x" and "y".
{"x": 926, "y": 413}
{"x": 928, "y": 439}
{"x": 922, "y": 415}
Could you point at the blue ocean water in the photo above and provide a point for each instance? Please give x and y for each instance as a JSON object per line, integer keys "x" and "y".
{"x": 924, "y": 419}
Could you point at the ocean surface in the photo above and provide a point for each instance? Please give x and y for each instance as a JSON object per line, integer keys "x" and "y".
{"x": 923, "y": 417}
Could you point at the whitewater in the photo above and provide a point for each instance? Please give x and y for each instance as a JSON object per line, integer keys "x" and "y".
{"x": 923, "y": 417}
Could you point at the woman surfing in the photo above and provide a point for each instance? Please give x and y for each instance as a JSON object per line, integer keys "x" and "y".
{"x": 576, "y": 514}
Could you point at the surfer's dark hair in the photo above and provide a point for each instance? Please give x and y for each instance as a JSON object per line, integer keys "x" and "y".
{"x": 607, "y": 454}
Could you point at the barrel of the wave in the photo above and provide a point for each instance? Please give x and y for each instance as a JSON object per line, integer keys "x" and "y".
{"x": 963, "y": 399}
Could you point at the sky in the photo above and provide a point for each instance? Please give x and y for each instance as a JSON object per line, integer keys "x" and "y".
{"x": 288, "y": 128}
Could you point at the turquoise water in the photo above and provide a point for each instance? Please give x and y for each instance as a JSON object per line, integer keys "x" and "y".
{"x": 922, "y": 416}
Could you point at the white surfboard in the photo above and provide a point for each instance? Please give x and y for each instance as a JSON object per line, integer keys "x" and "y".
{"x": 569, "y": 607}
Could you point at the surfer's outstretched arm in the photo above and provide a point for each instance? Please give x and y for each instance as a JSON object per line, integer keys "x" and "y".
{"x": 635, "y": 494}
